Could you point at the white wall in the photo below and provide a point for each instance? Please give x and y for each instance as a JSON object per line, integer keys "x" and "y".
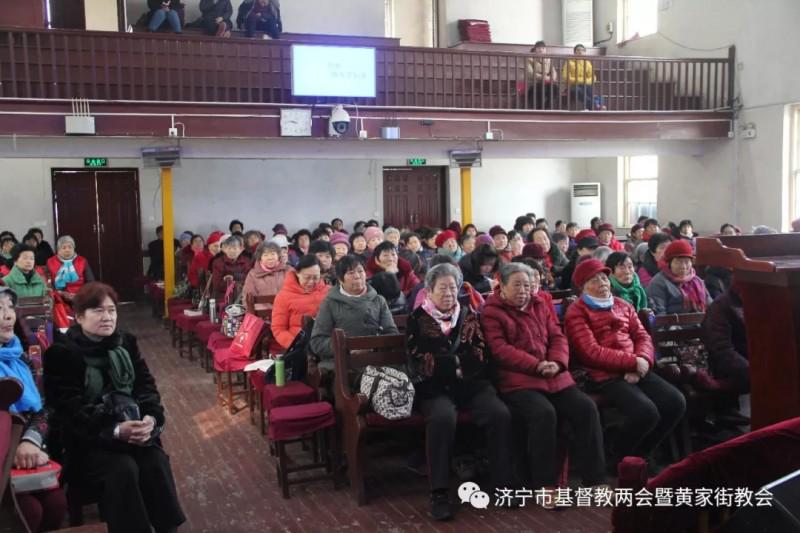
{"x": 413, "y": 22}
{"x": 511, "y": 21}
{"x": 763, "y": 32}
{"x": 208, "y": 193}
{"x": 350, "y": 17}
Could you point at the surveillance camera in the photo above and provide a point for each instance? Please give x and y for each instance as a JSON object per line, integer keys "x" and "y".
{"x": 339, "y": 122}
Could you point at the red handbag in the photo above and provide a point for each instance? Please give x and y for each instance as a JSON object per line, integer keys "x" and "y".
{"x": 247, "y": 335}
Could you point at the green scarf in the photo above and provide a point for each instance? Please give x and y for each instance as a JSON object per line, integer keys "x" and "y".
{"x": 119, "y": 368}
{"x": 634, "y": 294}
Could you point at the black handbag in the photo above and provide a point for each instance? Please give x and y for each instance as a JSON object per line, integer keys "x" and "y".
{"x": 295, "y": 359}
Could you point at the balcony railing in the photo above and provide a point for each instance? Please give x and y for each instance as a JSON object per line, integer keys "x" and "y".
{"x": 58, "y": 64}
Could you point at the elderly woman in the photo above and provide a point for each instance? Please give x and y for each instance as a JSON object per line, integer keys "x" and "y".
{"x": 556, "y": 261}
{"x": 531, "y": 361}
{"x": 515, "y": 243}
{"x": 300, "y": 243}
{"x": 199, "y": 269}
{"x": 386, "y": 259}
{"x": 358, "y": 245}
{"x": 500, "y": 237}
{"x": 374, "y": 237}
{"x": 24, "y": 278}
{"x": 677, "y": 288}
{"x": 42, "y": 510}
{"x": 447, "y": 244}
{"x": 268, "y": 273}
{"x": 624, "y": 281}
{"x": 231, "y": 267}
{"x": 353, "y": 306}
{"x": 302, "y": 293}
{"x": 613, "y": 347}
{"x": 656, "y": 246}
{"x": 68, "y": 270}
{"x": 341, "y": 245}
{"x": 480, "y": 266}
{"x": 447, "y": 362}
{"x": 110, "y": 417}
{"x": 392, "y": 235}
{"x": 324, "y": 253}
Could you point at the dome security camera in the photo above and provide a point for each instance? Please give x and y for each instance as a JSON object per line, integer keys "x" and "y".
{"x": 339, "y": 122}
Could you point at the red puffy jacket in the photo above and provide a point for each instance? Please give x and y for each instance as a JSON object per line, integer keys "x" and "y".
{"x": 292, "y": 303}
{"x": 521, "y": 339}
{"x": 607, "y": 342}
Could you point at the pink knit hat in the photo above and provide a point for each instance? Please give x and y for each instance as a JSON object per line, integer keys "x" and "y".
{"x": 373, "y": 233}
{"x": 340, "y": 238}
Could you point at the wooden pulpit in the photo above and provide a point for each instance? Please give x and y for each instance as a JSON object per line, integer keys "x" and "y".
{"x": 767, "y": 267}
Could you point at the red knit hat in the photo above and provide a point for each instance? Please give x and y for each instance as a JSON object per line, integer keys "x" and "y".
{"x": 586, "y": 270}
{"x": 215, "y": 236}
{"x": 534, "y": 250}
{"x": 445, "y": 236}
{"x": 497, "y": 230}
{"x": 585, "y": 233}
{"x": 606, "y": 227}
{"x": 679, "y": 248}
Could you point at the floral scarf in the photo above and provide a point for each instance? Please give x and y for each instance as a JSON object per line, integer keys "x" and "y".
{"x": 692, "y": 287}
{"x": 447, "y": 321}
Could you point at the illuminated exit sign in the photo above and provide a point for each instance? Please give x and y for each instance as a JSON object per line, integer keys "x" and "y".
{"x": 417, "y": 162}
{"x": 95, "y": 162}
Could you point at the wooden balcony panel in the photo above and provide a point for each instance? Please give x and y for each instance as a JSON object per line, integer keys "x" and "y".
{"x": 40, "y": 64}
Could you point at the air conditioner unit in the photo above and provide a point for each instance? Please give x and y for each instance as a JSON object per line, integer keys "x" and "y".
{"x": 585, "y": 203}
{"x": 161, "y": 157}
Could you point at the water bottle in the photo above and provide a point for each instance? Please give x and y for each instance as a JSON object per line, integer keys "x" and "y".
{"x": 212, "y": 310}
{"x": 280, "y": 372}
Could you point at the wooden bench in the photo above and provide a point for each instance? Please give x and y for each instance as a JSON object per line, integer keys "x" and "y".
{"x": 676, "y": 331}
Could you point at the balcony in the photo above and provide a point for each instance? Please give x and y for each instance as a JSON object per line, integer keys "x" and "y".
{"x": 45, "y": 69}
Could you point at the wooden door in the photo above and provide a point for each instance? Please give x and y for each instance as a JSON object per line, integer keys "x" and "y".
{"x": 75, "y": 212}
{"x": 119, "y": 230}
{"x": 100, "y": 209}
{"x": 414, "y": 196}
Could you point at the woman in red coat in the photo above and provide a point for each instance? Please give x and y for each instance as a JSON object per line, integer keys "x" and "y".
{"x": 233, "y": 265}
{"x": 612, "y": 345}
{"x": 385, "y": 259}
{"x": 302, "y": 294}
{"x": 68, "y": 270}
{"x": 531, "y": 359}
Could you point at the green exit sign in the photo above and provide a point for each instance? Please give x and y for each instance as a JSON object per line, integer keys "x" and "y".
{"x": 95, "y": 162}
{"x": 417, "y": 162}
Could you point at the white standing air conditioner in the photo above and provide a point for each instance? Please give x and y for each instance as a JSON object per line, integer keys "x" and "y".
{"x": 585, "y": 203}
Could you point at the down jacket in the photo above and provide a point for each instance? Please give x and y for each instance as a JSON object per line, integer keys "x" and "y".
{"x": 606, "y": 342}
{"x": 291, "y": 304}
{"x": 520, "y": 339}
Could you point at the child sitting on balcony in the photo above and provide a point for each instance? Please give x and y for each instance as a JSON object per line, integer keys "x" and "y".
{"x": 580, "y": 78}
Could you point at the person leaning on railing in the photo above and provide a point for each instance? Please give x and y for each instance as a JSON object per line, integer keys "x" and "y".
{"x": 579, "y": 77}
{"x": 543, "y": 78}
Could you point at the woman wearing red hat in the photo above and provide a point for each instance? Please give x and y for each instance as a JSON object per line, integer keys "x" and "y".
{"x": 613, "y": 347}
{"x": 200, "y": 267}
{"x": 676, "y": 288}
{"x": 531, "y": 359}
{"x": 447, "y": 244}
{"x": 606, "y": 236}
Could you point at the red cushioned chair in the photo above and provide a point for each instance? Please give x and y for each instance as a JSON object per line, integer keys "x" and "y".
{"x": 296, "y": 422}
{"x": 271, "y": 396}
{"x": 749, "y": 461}
{"x": 202, "y": 332}
{"x": 175, "y": 308}
{"x": 185, "y": 325}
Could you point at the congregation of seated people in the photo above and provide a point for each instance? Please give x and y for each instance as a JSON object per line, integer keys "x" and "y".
{"x": 484, "y": 332}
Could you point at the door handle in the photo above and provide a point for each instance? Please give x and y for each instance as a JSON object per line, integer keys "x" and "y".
{"x": 102, "y": 228}
{"x": 94, "y": 228}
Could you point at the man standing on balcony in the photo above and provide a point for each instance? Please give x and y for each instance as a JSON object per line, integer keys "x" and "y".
{"x": 165, "y": 11}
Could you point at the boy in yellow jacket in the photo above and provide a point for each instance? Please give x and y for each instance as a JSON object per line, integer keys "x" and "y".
{"x": 579, "y": 78}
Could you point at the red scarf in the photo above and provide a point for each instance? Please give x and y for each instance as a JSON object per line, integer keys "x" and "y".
{"x": 694, "y": 292}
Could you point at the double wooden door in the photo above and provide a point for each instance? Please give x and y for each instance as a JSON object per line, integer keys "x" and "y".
{"x": 100, "y": 210}
{"x": 414, "y": 196}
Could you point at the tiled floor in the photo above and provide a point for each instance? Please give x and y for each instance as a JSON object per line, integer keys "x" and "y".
{"x": 226, "y": 477}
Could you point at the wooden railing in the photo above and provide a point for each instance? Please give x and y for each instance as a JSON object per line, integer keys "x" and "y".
{"x": 50, "y": 64}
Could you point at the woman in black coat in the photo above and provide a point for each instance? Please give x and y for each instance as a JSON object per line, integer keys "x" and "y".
{"x": 109, "y": 412}
{"x": 216, "y": 17}
{"x": 479, "y": 267}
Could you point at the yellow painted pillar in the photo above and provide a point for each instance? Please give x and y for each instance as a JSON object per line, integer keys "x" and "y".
{"x": 466, "y": 195}
{"x": 169, "y": 235}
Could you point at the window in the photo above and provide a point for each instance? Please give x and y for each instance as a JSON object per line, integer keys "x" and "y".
{"x": 794, "y": 162}
{"x": 640, "y": 187}
{"x": 637, "y": 16}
